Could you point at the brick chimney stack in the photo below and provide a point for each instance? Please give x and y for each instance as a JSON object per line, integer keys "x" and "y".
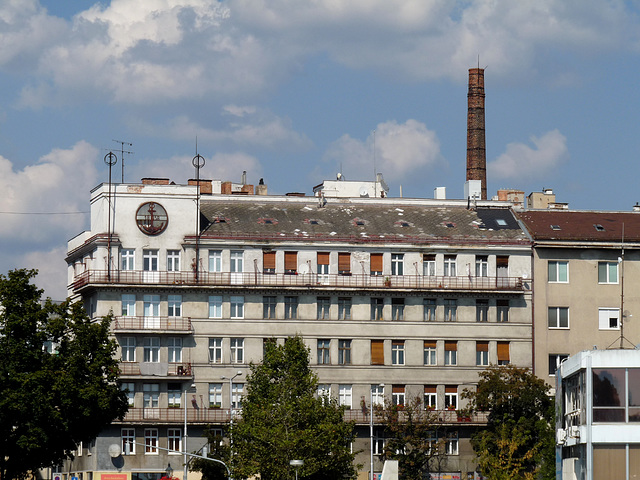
{"x": 476, "y": 151}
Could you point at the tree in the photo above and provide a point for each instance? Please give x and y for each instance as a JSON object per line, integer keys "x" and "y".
{"x": 283, "y": 420}
{"x": 414, "y": 438}
{"x": 519, "y": 439}
{"x": 58, "y": 377}
{"x": 220, "y": 451}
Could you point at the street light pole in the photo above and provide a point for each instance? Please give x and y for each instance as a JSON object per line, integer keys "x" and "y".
{"x": 231, "y": 416}
{"x": 184, "y": 447}
{"x": 371, "y": 424}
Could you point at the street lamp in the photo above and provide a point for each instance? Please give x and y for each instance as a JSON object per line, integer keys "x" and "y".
{"x": 184, "y": 447}
{"x": 371, "y": 424}
{"x": 297, "y": 464}
{"x": 169, "y": 471}
{"x": 231, "y": 415}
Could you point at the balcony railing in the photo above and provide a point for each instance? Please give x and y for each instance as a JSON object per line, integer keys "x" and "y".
{"x": 152, "y": 323}
{"x": 219, "y": 415}
{"x": 248, "y": 279}
{"x": 156, "y": 368}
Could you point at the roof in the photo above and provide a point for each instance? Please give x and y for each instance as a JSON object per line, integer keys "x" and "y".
{"x": 587, "y": 226}
{"x": 359, "y": 222}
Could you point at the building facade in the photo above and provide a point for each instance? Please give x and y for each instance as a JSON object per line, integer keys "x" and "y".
{"x": 394, "y": 297}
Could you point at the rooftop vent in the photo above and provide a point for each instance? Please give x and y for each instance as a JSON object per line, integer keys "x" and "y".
{"x": 598, "y": 227}
{"x": 555, "y": 227}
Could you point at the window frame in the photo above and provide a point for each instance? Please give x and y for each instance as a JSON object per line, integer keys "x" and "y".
{"x": 397, "y": 264}
{"x": 604, "y": 270}
{"x": 215, "y": 261}
{"x": 450, "y": 354}
{"x": 554, "y": 271}
{"x": 174, "y": 306}
{"x": 150, "y": 259}
{"x": 344, "y": 352}
{"x": 236, "y": 347}
{"x": 269, "y": 304}
{"x": 151, "y": 350}
{"x": 291, "y": 303}
{"x": 482, "y": 310}
{"x": 428, "y": 265}
{"x": 151, "y": 441}
{"x": 128, "y": 349}
{"x": 450, "y": 265}
{"x": 173, "y": 260}
{"x": 450, "y": 309}
{"x": 482, "y": 265}
{"x": 215, "y": 395}
{"x": 323, "y": 351}
{"x": 429, "y": 306}
{"x": 605, "y": 317}
{"x": 557, "y": 318}
{"x": 127, "y": 259}
{"x": 344, "y": 308}
{"x": 323, "y": 305}
{"x": 397, "y": 352}
{"x": 482, "y": 354}
{"x": 236, "y": 306}
{"x": 377, "y": 309}
{"x": 215, "y": 306}
{"x": 345, "y": 395}
{"x": 174, "y": 349}
{"x": 397, "y": 309}
{"x": 128, "y": 441}
{"x": 502, "y": 310}
{"x": 430, "y": 353}
{"x": 174, "y": 440}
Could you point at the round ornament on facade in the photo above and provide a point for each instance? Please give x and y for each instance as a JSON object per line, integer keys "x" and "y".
{"x": 152, "y": 218}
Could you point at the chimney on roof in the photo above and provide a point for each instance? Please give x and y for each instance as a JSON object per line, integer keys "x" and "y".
{"x": 476, "y": 150}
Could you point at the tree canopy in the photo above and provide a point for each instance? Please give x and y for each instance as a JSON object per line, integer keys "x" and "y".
{"x": 58, "y": 377}
{"x": 283, "y": 419}
{"x": 519, "y": 439}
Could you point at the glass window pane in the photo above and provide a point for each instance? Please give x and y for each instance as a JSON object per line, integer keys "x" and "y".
{"x": 608, "y": 387}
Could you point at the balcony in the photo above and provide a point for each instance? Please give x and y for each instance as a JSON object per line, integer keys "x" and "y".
{"x": 161, "y": 369}
{"x": 134, "y": 324}
{"x": 281, "y": 280}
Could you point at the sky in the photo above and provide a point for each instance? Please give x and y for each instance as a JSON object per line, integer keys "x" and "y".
{"x": 296, "y": 91}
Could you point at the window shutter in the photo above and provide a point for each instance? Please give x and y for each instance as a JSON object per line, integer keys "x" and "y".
{"x": 344, "y": 262}
{"x": 430, "y": 344}
{"x": 397, "y": 389}
{"x": 290, "y": 261}
{"x": 503, "y": 351}
{"x": 428, "y": 257}
{"x": 323, "y": 258}
{"x": 450, "y": 389}
{"x": 269, "y": 260}
{"x": 482, "y": 346}
{"x": 377, "y": 352}
{"x": 429, "y": 389}
{"x": 376, "y": 262}
{"x": 502, "y": 261}
{"x": 450, "y": 346}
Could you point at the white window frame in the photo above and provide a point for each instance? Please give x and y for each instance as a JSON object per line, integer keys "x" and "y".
{"x": 558, "y": 358}
{"x": 450, "y": 262}
{"x": 151, "y": 395}
{"x": 174, "y": 440}
{"x": 215, "y": 350}
{"x": 215, "y": 306}
{"x": 557, "y": 269}
{"x": 174, "y": 347}
{"x": 127, "y": 259}
{"x": 451, "y": 399}
{"x": 482, "y": 358}
{"x": 397, "y": 309}
{"x": 324, "y": 351}
{"x": 377, "y": 394}
{"x": 236, "y": 261}
{"x": 430, "y": 356}
{"x": 151, "y": 441}
{"x": 237, "y": 350}
{"x": 482, "y": 310}
{"x": 428, "y": 268}
{"x": 269, "y": 304}
{"x": 151, "y": 349}
{"x": 450, "y": 309}
{"x": 128, "y": 349}
{"x": 398, "y": 398}
{"x": 451, "y": 358}
{"x": 215, "y": 395}
{"x": 605, "y": 315}
{"x": 430, "y": 400}
{"x": 151, "y": 311}
{"x": 128, "y": 441}
{"x": 451, "y": 443}
{"x": 174, "y": 305}
{"x": 397, "y": 352}
{"x": 430, "y": 305}
{"x": 344, "y": 308}
{"x": 323, "y": 308}
{"x": 323, "y": 390}
{"x": 237, "y": 394}
{"x": 557, "y": 318}
{"x": 397, "y": 264}
{"x": 290, "y": 307}
{"x": 344, "y": 352}
{"x": 130, "y": 391}
{"x": 482, "y": 265}
{"x": 128, "y": 305}
{"x": 215, "y": 261}
{"x": 345, "y": 395}
{"x": 605, "y": 274}
{"x": 236, "y": 304}
{"x": 150, "y": 260}
{"x": 174, "y": 396}
{"x": 173, "y": 260}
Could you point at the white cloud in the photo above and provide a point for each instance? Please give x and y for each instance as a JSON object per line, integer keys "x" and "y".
{"x": 523, "y": 162}
{"x": 52, "y": 270}
{"x": 401, "y": 151}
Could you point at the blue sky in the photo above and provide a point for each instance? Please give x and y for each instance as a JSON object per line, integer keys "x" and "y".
{"x": 292, "y": 92}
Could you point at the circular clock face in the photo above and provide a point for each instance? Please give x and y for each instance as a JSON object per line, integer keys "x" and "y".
{"x": 152, "y": 218}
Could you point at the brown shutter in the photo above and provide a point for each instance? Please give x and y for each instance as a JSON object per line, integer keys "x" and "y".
{"x": 482, "y": 346}
{"x": 430, "y": 389}
{"x": 269, "y": 260}
{"x": 377, "y": 352}
{"x": 376, "y": 262}
{"x": 428, "y": 257}
{"x": 502, "y": 261}
{"x": 290, "y": 262}
{"x": 397, "y": 389}
{"x": 503, "y": 351}
{"x": 450, "y": 346}
{"x": 430, "y": 344}
{"x": 323, "y": 258}
{"x": 344, "y": 262}
{"x": 450, "y": 389}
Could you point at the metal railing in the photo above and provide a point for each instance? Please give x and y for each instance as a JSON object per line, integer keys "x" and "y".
{"x": 152, "y": 323}
{"x": 172, "y": 369}
{"x": 329, "y": 281}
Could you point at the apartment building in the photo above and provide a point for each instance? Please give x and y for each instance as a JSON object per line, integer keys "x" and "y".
{"x": 394, "y": 297}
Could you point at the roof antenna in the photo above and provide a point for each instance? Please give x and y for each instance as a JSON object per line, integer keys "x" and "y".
{"x": 198, "y": 162}
{"x": 122, "y": 152}
{"x": 110, "y": 159}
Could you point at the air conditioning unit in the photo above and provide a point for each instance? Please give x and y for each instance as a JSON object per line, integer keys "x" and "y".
{"x": 561, "y": 436}
{"x": 574, "y": 432}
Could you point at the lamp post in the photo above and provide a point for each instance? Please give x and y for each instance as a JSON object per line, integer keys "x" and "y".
{"x": 184, "y": 447}
{"x": 231, "y": 410}
{"x": 169, "y": 471}
{"x": 297, "y": 464}
{"x": 371, "y": 424}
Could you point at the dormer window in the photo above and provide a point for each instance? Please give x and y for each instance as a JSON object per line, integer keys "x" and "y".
{"x": 555, "y": 227}
{"x": 598, "y": 227}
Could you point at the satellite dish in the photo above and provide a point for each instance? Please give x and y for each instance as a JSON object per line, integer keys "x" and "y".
{"x": 303, "y": 269}
{"x": 364, "y": 192}
{"x": 114, "y": 450}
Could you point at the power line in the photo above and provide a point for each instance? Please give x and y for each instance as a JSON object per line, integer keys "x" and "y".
{"x": 43, "y": 213}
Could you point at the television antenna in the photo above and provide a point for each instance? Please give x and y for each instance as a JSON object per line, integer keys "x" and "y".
{"x": 122, "y": 152}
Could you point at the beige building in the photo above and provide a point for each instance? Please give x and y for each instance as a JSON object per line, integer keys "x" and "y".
{"x": 394, "y": 297}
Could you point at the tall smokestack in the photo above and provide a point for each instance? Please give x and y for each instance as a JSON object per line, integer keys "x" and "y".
{"x": 476, "y": 151}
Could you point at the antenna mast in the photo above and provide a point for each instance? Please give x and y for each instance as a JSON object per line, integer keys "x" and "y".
{"x": 122, "y": 152}
{"x": 110, "y": 159}
{"x": 198, "y": 162}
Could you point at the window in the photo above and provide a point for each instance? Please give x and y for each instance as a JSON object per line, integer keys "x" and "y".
{"x": 237, "y": 392}
{"x": 449, "y": 265}
{"x": 430, "y": 397}
{"x": 450, "y": 352}
{"x": 430, "y": 352}
{"x": 397, "y": 264}
{"x": 129, "y": 388}
{"x": 344, "y": 352}
{"x": 290, "y": 308}
{"x": 555, "y": 360}
{"x": 377, "y": 394}
{"x": 378, "y": 441}
{"x": 237, "y": 350}
{"x": 175, "y": 305}
{"x": 344, "y": 263}
{"x": 215, "y": 260}
{"x": 607, "y": 272}
{"x": 324, "y": 305}
{"x": 175, "y": 349}
{"x": 324, "y": 390}
{"x": 558, "y": 317}
{"x": 482, "y": 354}
{"x": 128, "y": 348}
{"x": 290, "y": 263}
{"x": 174, "y": 395}
{"x": 482, "y": 310}
{"x": 323, "y": 267}
{"x": 344, "y": 308}
{"x": 173, "y": 260}
{"x": 503, "y": 353}
{"x": 127, "y": 259}
{"x": 558, "y": 271}
{"x": 173, "y": 437}
{"x": 151, "y": 311}
{"x": 237, "y": 306}
{"x": 236, "y": 261}
{"x": 429, "y": 265}
{"x": 615, "y": 395}
{"x": 128, "y": 437}
{"x": 376, "y": 264}
{"x": 397, "y": 352}
{"x": 128, "y": 305}
{"x": 502, "y": 310}
{"x": 397, "y": 309}
{"x": 269, "y": 307}
{"x": 429, "y": 309}
{"x": 151, "y": 349}
{"x": 269, "y": 262}
{"x": 451, "y": 397}
{"x": 609, "y": 318}
{"x": 151, "y": 395}
{"x": 324, "y": 352}
{"x": 215, "y": 306}
{"x": 377, "y": 352}
{"x": 150, "y": 260}
{"x": 450, "y": 309}
{"x": 451, "y": 443}
{"x": 266, "y": 342}
{"x": 397, "y": 394}
{"x": 482, "y": 266}
{"x": 377, "y": 305}
{"x": 151, "y": 441}
{"x": 215, "y": 395}
{"x": 344, "y": 395}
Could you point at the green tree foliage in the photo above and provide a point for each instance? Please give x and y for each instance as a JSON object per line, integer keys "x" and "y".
{"x": 51, "y": 398}
{"x": 412, "y": 434}
{"x": 218, "y": 450}
{"x": 519, "y": 439}
{"x": 283, "y": 420}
